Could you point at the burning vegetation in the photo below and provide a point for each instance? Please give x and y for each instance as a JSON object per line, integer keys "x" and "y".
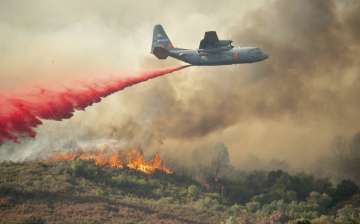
{"x": 131, "y": 159}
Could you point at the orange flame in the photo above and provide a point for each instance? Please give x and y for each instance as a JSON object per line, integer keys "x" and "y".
{"x": 131, "y": 159}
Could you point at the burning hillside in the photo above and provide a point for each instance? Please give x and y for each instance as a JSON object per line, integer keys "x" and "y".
{"x": 131, "y": 159}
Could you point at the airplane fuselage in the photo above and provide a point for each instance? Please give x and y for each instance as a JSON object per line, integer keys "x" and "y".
{"x": 235, "y": 55}
{"x": 212, "y": 51}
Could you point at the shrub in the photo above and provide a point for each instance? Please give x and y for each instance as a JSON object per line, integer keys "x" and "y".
{"x": 207, "y": 203}
{"x": 302, "y": 221}
{"x": 229, "y": 220}
{"x": 348, "y": 214}
{"x": 235, "y": 210}
{"x": 33, "y": 220}
{"x": 81, "y": 168}
{"x": 252, "y": 206}
{"x": 193, "y": 192}
{"x": 323, "y": 219}
{"x": 90, "y": 222}
{"x": 301, "y": 210}
{"x": 165, "y": 200}
{"x": 322, "y": 201}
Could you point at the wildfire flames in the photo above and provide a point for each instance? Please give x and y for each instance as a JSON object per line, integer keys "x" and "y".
{"x": 131, "y": 159}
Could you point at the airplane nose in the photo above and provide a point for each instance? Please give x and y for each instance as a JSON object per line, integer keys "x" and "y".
{"x": 265, "y": 56}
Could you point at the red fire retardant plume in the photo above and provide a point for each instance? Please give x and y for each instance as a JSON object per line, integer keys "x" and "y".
{"x": 19, "y": 115}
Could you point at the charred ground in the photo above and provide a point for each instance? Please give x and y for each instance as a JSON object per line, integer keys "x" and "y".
{"x": 79, "y": 191}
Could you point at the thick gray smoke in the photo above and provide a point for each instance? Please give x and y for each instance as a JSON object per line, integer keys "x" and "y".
{"x": 290, "y": 107}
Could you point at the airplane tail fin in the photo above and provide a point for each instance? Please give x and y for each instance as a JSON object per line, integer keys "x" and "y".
{"x": 161, "y": 43}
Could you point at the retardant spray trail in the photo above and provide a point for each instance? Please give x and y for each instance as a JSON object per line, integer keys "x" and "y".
{"x": 19, "y": 115}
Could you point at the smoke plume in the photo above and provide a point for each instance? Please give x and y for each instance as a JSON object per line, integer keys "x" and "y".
{"x": 292, "y": 105}
{"x": 289, "y": 108}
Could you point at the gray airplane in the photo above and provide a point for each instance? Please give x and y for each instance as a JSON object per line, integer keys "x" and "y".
{"x": 212, "y": 51}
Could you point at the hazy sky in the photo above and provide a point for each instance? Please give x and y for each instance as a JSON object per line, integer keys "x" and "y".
{"x": 48, "y": 38}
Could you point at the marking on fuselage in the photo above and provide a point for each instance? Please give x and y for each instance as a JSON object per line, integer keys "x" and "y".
{"x": 235, "y": 55}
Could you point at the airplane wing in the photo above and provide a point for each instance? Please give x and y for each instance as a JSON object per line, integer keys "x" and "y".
{"x": 210, "y": 40}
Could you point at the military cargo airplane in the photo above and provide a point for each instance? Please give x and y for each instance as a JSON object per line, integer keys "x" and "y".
{"x": 212, "y": 51}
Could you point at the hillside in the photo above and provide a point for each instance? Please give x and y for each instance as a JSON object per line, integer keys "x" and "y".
{"x": 79, "y": 191}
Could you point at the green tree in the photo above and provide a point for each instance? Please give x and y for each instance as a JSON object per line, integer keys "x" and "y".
{"x": 344, "y": 190}
{"x": 220, "y": 161}
{"x": 322, "y": 201}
